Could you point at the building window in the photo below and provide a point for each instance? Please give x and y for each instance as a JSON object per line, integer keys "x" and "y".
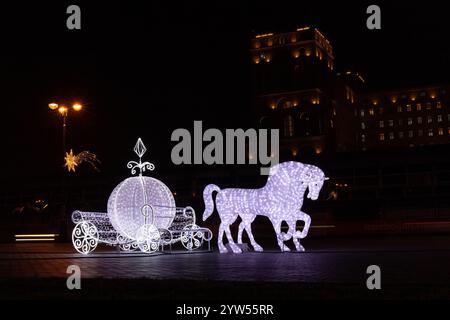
{"x": 391, "y": 136}
{"x": 420, "y": 133}
{"x": 408, "y": 107}
{"x": 429, "y": 119}
{"x": 439, "y": 118}
{"x": 371, "y": 111}
{"x": 430, "y": 132}
{"x": 410, "y": 121}
{"x": 400, "y": 134}
{"x": 410, "y": 134}
{"x": 391, "y": 123}
{"x": 363, "y": 125}
{"x": 438, "y": 105}
{"x": 441, "y": 131}
{"x": 381, "y": 136}
{"x": 428, "y": 105}
{"x": 381, "y": 124}
{"x": 288, "y": 126}
{"x": 419, "y": 107}
{"x": 363, "y": 138}
{"x": 399, "y": 109}
{"x": 362, "y": 112}
{"x": 380, "y": 110}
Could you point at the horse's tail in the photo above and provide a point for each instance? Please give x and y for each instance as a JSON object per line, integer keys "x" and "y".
{"x": 207, "y": 197}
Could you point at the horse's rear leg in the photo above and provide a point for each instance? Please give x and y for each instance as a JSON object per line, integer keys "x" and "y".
{"x": 233, "y": 245}
{"x": 248, "y": 228}
{"x": 220, "y": 244}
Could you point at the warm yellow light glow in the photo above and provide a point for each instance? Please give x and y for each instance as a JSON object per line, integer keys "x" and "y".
{"x": 394, "y": 99}
{"x": 303, "y": 28}
{"x": 375, "y": 102}
{"x": 264, "y": 35}
{"x": 77, "y": 107}
{"x": 413, "y": 98}
{"x": 294, "y": 152}
{"x": 296, "y": 54}
{"x": 53, "y": 106}
{"x": 318, "y": 150}
{"x": 62, "y": 110}
{"x": 433, "y": 95}
{"x": 272, "y": 106}
{"x": 70, "y": 161}
{"x": 36, "y": 235}
{"x": 295, "y": 103}
{"x": 35, "y": 239}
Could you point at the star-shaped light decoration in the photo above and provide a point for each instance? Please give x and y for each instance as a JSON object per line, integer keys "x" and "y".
{"x": 71, "y": 160}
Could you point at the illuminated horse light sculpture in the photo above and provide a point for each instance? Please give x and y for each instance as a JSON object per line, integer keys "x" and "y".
{"x": 280, "y": 200}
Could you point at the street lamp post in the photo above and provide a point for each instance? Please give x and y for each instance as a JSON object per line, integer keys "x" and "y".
{"x": 64, "y": 111}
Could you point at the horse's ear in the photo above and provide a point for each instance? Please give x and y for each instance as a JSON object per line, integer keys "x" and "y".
{"x": 326, "y": 178}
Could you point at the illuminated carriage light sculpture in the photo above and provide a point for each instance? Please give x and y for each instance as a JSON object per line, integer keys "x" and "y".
{"x": 281, "y": 199}
{"x": 141, "y": 215}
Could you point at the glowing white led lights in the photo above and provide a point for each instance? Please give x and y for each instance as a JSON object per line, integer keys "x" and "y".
{"x": 281, "y": 199}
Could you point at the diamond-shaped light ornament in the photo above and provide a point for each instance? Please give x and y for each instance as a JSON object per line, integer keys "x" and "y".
{"x": 139, "y": 148}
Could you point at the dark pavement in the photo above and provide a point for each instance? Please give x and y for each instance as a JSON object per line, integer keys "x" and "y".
{"x": 419, "y": 263}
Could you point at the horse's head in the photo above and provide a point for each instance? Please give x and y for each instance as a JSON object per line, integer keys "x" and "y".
{"x": 314, "y": 178}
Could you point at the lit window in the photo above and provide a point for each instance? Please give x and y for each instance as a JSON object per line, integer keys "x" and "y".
{"x": 371, "y": 111}
{"x": 419, "y": 107}
{"x": 419, "y": 120}
{"x": 363, "y": 125}
{"x": 408, "y": 107}
{"x": 410, "y": 121}
{"x": 430, "y": 132}
{"x": 410, "y": 134}
{"x": 438, "y": 105}
{"x": 441, "y": 131}
{"x": 420, "y": 133}
{"x": 400, "y": 134}
{"x": 363, "y": 138}
{"x": 439, "y": 118}
{"x": 382, "y": 136}
{"x": 289, "y": 126}
{"x": 391, "y": 123}
{"x": 362, "y": 113}
{"x": 399, "y": 109}
{"x": 429, "y": 119}
{"x": 381, "y": 124}
{"x": 428, "y": 105}
{"x": 391, "y": 136}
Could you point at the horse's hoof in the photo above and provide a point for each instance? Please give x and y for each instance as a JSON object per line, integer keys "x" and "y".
{"x": 258, "y": 248}
{"x": 223, "y": 250}
{"x": 300, "y": 248}
{"x": 235, "y": 248}
{"x": 286, "y": 249}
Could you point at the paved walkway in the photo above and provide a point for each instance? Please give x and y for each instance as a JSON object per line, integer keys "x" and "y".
{"x": 409, "y": 260}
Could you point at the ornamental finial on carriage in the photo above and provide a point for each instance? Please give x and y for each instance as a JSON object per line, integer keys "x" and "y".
{"x": 140, "y": 150}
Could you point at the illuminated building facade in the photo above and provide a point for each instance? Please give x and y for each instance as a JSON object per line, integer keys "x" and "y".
{"x": 408, "y": 118}
{"x": 297, "y": 91}
{"x": 315, "y": 108}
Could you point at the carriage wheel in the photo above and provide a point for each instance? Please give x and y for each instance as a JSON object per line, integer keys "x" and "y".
{"x": 126, "y": 244}
{"x": 191, "y": 237}
{"x": 148, "y": 238}
{"x": 85, "y": 237}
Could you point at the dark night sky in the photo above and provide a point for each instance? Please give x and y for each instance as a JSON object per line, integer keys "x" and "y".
{"x": 146, "y": 69}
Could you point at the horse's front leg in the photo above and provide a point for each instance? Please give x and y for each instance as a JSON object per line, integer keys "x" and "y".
{"x": 281, "y": 236}
{"x": 300, "y": 235}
